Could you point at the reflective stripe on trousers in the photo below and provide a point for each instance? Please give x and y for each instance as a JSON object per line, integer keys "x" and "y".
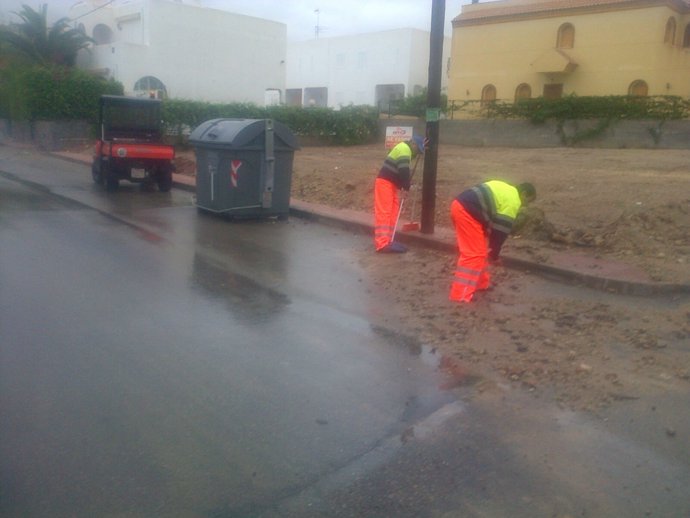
{"x": 386, "y": 206}
{"x": 470, "y": 272}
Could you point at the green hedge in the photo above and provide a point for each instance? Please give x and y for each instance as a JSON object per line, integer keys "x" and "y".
{"x": 414, "y": 105}
{"x": 58, "y": 93}
{"x": 610, "y": 107}
{"x": 347, "y": 126}
{"x": 52, "y": 93}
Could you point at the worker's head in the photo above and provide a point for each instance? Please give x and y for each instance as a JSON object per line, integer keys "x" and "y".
{"x": 417, "y": 145}
{"x": 527, "y": 193}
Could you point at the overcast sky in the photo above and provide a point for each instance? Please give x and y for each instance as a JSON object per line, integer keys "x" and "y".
{"x": 335, "y": 17}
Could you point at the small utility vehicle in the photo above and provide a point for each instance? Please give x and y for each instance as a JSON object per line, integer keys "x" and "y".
{"x": 131, "y": 145}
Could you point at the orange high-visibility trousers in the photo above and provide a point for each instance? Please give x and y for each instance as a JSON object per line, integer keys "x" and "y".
{"x": 470, "y": 272}
{"x": 386, "y": 207}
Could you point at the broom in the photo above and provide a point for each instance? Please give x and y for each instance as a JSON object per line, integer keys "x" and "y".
{"x": 411, "y": 225}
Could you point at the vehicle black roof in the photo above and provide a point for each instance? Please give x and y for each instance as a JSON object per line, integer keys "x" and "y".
{"x": 123, "y": 99}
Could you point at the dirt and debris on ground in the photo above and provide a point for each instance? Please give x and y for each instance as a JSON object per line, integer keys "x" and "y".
{"x": 627, "y": 204}
{"x": 584, "y": 348}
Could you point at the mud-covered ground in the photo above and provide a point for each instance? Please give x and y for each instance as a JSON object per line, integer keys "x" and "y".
{"x": 628, "y": 204}
{"x": 584, "y": 348}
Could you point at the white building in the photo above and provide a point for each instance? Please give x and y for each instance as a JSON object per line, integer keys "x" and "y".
{"x": 169, "y": 48}
{"x": 374, "y": 68}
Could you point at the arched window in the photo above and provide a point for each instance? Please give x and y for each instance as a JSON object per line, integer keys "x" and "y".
{"x": 102, "y": 34}
{"x": 150, "y": 86}
{"x": 523, "y": 91}
{"x": 566, "y": 36}
{"x": 670, "y": 33}
{"x": 638, "y": 88}
{"x": 488, "y": 94}
{"x": 686, "y": 37}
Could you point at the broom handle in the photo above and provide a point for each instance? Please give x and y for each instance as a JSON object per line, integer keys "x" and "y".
{"x": 414, "y": 202}
{"x": 414, "y": 169}
{"x": 395, "y": 228}
{"x": 402, "y": 200}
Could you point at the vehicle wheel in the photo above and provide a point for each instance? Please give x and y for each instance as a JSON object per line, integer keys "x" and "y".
{"x": 164, "y": 179}
{"x": 110, "y": 181}
{"x": 96, "y": 172}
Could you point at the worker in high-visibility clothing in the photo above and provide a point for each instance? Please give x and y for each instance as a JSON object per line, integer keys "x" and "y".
{"x": 483, "y": 217}
{"x": 393, "y": 176}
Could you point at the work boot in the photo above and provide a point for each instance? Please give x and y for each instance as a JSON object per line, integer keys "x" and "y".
{"x": 393, "y": 248}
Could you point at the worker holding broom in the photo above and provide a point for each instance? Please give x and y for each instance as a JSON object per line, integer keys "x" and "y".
{"x": 483, "y": 217}
{"x": 394, "y": 175}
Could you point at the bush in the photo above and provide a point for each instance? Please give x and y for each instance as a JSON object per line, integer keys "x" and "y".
{"x": 610, "y": 107}
{"x": 52, "y": 93}
{"x": 415, "y": 105}
{"x": 347, "y": 126}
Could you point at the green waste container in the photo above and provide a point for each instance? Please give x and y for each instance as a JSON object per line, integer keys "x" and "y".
{"x": 244, "y": 167}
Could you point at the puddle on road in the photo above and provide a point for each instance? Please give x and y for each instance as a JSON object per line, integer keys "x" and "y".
{"x": 454, "y": 373}
{"x": 243, "y": 295}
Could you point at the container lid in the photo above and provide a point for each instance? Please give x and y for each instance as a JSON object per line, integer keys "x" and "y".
{"x": 241, "y": 133}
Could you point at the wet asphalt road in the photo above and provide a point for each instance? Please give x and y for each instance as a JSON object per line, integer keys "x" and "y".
{"x": 217, "y": 370}
{"x": 158, "y": 362}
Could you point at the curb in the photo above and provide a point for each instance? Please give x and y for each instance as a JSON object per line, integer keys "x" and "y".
{"x": 362, "y": 225}
{"x": 607, "y": 284}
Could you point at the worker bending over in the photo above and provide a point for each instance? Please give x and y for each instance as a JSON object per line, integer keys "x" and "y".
{"x": 483, "y": 217}
{"x": 393, "y": 176}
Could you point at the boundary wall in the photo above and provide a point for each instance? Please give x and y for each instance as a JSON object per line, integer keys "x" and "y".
{"x": 634, "y": 134}
{"x": 638, "y": 134}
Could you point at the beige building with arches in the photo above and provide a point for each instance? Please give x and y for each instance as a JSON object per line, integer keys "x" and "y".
{"x": 511, "y": 49}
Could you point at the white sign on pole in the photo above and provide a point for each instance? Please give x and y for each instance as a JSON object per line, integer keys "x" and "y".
{"x": 397, "y": 134}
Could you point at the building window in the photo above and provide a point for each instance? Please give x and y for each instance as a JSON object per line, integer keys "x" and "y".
{"x": 488, "y": 94}
{"x": 638, "y": 88}
{"x": 686, "y": 37}
{"x": 293, "y": 97}
{"x": 385, "y": 96}
{"x": 272, "y": 97}
{"x": 566, "y": 36}
{"x": 316, "y": 97}
{"x": 151, "y": 87}
{"x": 523, "y": 91}
{"x": 670, "y": 34}
{"x": 102, "y": 34}
{"x": 553, "y": 91}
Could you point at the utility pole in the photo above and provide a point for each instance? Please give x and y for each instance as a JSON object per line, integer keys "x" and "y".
{"x": 316, "y": 28}
{"x": 433, "y": 114}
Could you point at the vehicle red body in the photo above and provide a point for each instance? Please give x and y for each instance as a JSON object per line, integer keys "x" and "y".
{"x": 130, "y": 146}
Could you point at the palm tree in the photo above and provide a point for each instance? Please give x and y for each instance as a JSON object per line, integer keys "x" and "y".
{"x": 35, "y": 41}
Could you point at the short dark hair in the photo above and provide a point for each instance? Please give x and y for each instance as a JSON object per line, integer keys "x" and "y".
{"x": 527, "y": 189}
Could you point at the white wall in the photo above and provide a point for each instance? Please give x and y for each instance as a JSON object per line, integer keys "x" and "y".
{"x": 351, "y": 66}
{"x": 198, "y": 53}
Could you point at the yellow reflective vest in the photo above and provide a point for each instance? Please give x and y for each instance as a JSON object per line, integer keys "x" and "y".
{"x": 396, "y": 167}
{"x": 495, "y": 204}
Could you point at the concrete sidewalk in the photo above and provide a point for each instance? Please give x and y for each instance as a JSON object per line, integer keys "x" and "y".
{"x": 595, "y": 272}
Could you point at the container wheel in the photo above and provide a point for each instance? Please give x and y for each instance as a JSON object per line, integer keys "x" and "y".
{"x": 96, "y": 172}
{"x": 164, "y": 178}
{"x": 110, "y": 180}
